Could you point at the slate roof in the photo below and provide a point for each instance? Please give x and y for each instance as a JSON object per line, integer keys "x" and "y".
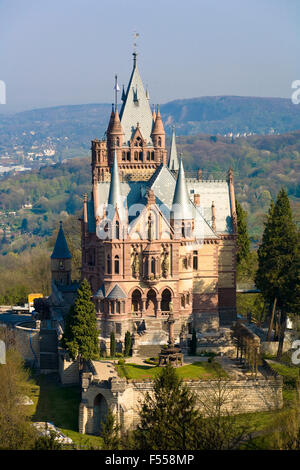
{"x": 100, "y": 294}
{"x": 136, "y": 108}
{"x": 61, "y": 250}
{"x": 115, "y": 199}
{"x": 163, "y": 184}
{"x": 181, "y": 205}
{"x": 117, "y": 293}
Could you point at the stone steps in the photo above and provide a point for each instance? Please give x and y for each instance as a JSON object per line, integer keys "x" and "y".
{"x": 149, "y": 350}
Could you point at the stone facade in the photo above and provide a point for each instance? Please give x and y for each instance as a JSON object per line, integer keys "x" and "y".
{"x": 141, "y": 258}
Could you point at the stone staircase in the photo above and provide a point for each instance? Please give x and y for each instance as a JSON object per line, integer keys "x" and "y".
{"x": 48, "y": 350}
{"x": 154, "y": 335}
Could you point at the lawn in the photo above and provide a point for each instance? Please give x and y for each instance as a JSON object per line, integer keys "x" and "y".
{"x": 59, "y": 405}
{"x": 198, "y": 370}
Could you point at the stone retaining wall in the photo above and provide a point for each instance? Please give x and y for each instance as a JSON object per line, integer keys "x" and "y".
{"x": 242, "y": 396}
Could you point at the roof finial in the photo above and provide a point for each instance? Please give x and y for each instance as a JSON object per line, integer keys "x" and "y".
{"x": 135, "y": 36}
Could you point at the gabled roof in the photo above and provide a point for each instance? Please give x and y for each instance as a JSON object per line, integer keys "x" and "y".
{"x": 135, "y": 108}
{"x": 117, "y": 293}
{"x": 173, "y": 163}
{"x": 61, "y": 250}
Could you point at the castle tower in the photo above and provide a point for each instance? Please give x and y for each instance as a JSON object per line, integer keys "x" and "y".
{"x": 61, "y": 260}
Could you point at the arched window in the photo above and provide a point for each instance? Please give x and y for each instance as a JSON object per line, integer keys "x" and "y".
{"x": 136, "y": 300}
{"x": 117, "y": 142}
{"x": 117, "y": 229}
{"x": 112, "y": 304}
{"x": 182, "y": 301}
{"x": 152, "y": 156}
{"x": 117, "y": 264}
{"x": 108, "y": 264}
{"x": 118, "y": 309}
{"x": 165, "y": 300}
{"x": 148, "y": 156}
{"x": 136, "y": 156}
{"x": 159, "y": 141}
{"x": 123, "y": 156}
{"x": 140, "y": 156}
{"x": 195, "y": 260}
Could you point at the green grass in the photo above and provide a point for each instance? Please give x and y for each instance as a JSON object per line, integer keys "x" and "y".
{"x": 199, "y": 370}
{"x": 59, "y": 405}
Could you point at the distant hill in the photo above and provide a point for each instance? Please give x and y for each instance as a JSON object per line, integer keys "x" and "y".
{"x": 69, "y": 129}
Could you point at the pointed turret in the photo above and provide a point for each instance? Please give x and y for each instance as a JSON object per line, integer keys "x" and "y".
{"x": 181, "y": 206}
{"x": 158, "y": 128}
{"x": 111, "y": 120}
{"x": 61, "y": 260}
{"x": 173, "y": 160}
{"x": 115, "y": 198}
{"x": 61, "y": 249}
{"x": 153, "y": 114}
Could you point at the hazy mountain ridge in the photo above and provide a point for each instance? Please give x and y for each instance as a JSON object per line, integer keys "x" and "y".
{"x": 69, "y": 129}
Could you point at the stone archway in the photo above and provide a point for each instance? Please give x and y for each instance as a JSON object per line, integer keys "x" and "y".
{"x": 151, "y": 302}
{"x": 136, "y": 301}
{"x": 166, "y": 298}
{"x": 100, "y": 411}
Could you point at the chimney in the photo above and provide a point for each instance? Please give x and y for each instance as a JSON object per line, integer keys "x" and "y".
{"x": 197, "y": 200}
{"x": 199, "y": 174}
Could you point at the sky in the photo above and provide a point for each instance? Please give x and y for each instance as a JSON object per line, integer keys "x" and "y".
{"x": 60, "y": 52}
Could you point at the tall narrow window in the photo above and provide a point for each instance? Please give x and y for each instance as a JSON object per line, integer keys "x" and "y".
{"x": 117, "y": 230}
{"x": 152, "y": 265}
{"x": 117, "y": 264}
{"x": 117, "y": 142}
{"x": 108, "y": 264}
{"x": 159, "y": 141}
{"x": 195, "y": 260}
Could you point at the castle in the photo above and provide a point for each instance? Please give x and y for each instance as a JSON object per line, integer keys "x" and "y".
{"x": 153, "y": 238}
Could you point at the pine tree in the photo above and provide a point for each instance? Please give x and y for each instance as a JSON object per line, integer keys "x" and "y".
{"x": 243, "y": 241}
{"x": 110, "y": 432}
{"x": 169, "y": 418}
{"x": 193, "y": 349}
{"x": 276, "y": 276}
{"x": 112, "y": 344}
{"x": 81, "y": 335}
{"x": 127, "y": 344}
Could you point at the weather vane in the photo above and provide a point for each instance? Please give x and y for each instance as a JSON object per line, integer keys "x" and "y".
{"x": 135, "y": 37}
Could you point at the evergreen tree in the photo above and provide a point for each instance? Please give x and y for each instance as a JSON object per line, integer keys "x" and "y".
{"x": 193, "y": 349}
{"x": 169, "y": 418}
{"x": 81, "y": 335}
{"x": 110, "y": 432}
{"x": 276, "y": 276}
{"x": 243, "y": 241}
{"x": 112, "y": 344}
{"x": 128, "y": 343}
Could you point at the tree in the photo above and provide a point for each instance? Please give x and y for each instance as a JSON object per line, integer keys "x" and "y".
{"x": 169, "y": 419}
{"x": 81, "y": 335}
{"x": 112, "y": 344}
{"x": 193, "y": 349}
{"x": 277, "y": 276}
{"x": 110, "y": 432}
{"x": 243, "y": 241}
{"x": 16, "y": 431}
{"x": 128, "y": 343}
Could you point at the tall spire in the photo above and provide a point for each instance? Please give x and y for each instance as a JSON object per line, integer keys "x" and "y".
{"x": 61, "y": 249}
{"x": 173, "y": 160}
{"x": 115, "y": 199}
{"x": 181, "y": 206}
{"x": 136, "y": 107}
{"x": 158, "y": 127}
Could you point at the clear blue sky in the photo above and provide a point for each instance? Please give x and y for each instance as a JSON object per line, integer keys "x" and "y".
{"x": 55, "y": 52}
